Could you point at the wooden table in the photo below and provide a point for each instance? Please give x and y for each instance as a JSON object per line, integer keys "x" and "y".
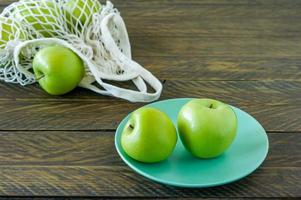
{"x": 246, "y": 53}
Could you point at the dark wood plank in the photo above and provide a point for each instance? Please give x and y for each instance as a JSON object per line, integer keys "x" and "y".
{"x": 274, "y": 103}
{"x": 210, "y": 68}
{"x": 62, "y": 115}
{"x": 237, "y": 92}
{"x": 236, "y": 47}
{"x": 233, "y": 92}
{"x": 217, "y": 68}
{"x": 4, "y": 3}
{"x": 123, "y": 182}
{"x": 73, "y": 148}
{"x": 210, "y": 21}
{"x": 58, "y": 148}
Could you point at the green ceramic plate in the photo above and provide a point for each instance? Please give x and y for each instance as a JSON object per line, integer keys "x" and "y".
{"x": 247, "y": 152}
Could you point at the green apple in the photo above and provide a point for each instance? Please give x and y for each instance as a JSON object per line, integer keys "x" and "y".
{"x": 58, "y": 69}
{"x": 41, "y": 15}
{"x": 8, "y": 31}
{"x": 207, "y": 127}
{"x": 149, "y": 135}
{"x": 82, "y": 10}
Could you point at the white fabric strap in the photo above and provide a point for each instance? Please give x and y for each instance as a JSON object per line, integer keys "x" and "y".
{"x": 117, "y": 54}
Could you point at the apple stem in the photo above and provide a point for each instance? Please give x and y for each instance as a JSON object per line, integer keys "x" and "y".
{"x": 37, "y": 79}
{"x": 211, "y": 106}
{"x": 131, "y": 126}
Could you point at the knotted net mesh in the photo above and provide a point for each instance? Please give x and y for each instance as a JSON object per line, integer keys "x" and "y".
{"x": 95, "y": 32}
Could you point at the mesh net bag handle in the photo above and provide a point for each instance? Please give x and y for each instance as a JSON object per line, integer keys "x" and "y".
{"x": 143, "y": 74}
{"x": 122, "y": 54}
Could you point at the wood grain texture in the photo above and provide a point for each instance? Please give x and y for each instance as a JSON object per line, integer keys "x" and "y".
{"x": 237, "y": 93}
{"x": 243, "y": 52}
{"x": 152, "y": 46}
{"x": 233, "y": 92}
{"x": 225, "y": 21}
{"x": 96, "y": 148}
{"x": 218, "y": 68}
{"x": 62, "y": 115}
{"x": 276, "y": 104}
{"x": 122, "y": 182}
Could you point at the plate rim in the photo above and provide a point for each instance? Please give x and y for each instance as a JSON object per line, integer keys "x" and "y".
{"x": 184, "y": 185}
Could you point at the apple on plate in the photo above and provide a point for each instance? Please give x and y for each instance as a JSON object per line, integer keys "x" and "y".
{"x": 207, "y": 127}
{"x": 58, "y": 69}
{"x": 149, "y": 136}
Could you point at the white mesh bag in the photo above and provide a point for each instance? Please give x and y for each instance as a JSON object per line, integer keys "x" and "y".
{"x": 99, "y": 38}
